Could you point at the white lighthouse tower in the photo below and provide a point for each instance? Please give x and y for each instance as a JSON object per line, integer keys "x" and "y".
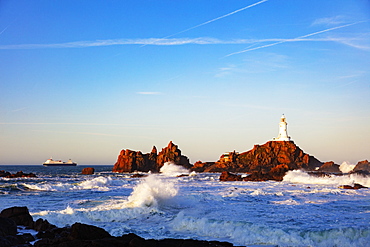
{"x": 283, "y": 131}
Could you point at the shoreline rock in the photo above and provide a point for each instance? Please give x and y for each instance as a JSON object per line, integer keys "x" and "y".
{"x": 78, "y": 234}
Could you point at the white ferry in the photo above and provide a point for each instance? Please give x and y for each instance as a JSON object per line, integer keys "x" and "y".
{"x": 51, "y": 162}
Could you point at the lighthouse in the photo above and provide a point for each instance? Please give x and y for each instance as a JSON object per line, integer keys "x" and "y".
{"x": 283, "y": 131}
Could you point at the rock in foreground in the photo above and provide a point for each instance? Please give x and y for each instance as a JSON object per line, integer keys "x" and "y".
{"x": 78, "y": 235}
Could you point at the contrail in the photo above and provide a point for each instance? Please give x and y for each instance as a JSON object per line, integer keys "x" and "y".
{"x": 218, "y": 18}
{"x": 4, "y": 30}
{"x": 215, "y": 19}
{"x": 294, "y": 39}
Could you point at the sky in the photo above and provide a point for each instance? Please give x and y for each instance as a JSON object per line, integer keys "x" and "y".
{"x": 86, "y": 79}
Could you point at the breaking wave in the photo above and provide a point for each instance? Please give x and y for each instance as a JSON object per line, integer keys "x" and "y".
{"x": 247, "y": 233}
{"x": 151, "y": 191}
{"x": 173, "y": 170}
{"x": 301, "y": 177}
{"x": 98, "y": 183}
{"x": 346, "y": 167}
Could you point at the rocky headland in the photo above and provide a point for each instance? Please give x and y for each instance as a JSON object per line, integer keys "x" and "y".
{"x": 76, "y": 235}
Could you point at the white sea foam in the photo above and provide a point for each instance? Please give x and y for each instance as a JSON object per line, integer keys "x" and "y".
{"x": 99, "y": 183}
{"x": 173, "y": 170}
{"x": 246, "y": 233}
{"x": 346, "y": 167}
{"x": 301, "y": 177}
{"x": 151, "y": 191}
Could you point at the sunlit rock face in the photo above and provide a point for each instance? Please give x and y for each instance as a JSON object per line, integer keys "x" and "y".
{"x": 130, "y": 161}
{"x": 277, "y": 155}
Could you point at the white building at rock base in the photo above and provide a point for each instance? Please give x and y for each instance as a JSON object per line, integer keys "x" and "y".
{"x": 283, "y": 130}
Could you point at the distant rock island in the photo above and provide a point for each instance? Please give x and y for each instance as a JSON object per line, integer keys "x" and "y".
{"x": 269, "y": 161}
{"x": 131, "y": 161}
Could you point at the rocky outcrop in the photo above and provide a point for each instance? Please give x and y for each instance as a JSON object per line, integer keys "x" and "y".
{"x": 268, "y": 160}
{"x": 362, "y": 166}
{"x": 354, "y": 187}
{"x": 19, "y": 215}
{"x": 79, "y": 235}
{"x": 19, "y": 174}
{"x": 277, "y": 173}
{"x": 131, "y": 161}
{"x": 330, "y": 167}
{"x": 88, "y": 171}
{"x": 227, "y": 176}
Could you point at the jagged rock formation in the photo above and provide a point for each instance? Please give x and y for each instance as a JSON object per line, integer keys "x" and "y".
{"x": 268, "y": 161}
{"x": 131, "y": 161}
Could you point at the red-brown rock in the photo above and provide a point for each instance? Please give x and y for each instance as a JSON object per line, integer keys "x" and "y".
{"x": 131, "y": 161}
{"x": 269, "y": 161}
{"x": 362, "y": 166}
{"x": 88, "y": 171}
{"x": 19, "y": 174}
{"x": 227, "y": 176}
{"x": 354, "y": 187}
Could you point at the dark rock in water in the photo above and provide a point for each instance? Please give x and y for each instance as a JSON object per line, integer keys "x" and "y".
{"x": 43, "y": 225}
{"x": 7, "y": 227}
{"x": 20, "y": 215}
{"x": 354, "y": 187}
{"x": 78, "y": 235}
{"x": 19, "y": 174}
{"x": 362, "y": 166}
{"x": 88, "y": 171}
{"x": 131, "y": 161}
{"x": 138, "y": 175}
{"x": 4, "y": 174}
{"x": 87, "y": 232}
{"x": 329, "y": 167}
{"x": 227, "y": 176}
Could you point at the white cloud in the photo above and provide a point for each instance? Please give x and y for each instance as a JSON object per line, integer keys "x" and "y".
{"x": 183, "y": 41}
{"x": 328, "y": 21}
{"x": 265, "y": 62}
{"x": 302, "y": 38}
{"x": 149, "y": 93}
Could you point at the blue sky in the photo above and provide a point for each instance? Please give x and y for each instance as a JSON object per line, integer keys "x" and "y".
{"x": 85, "y": 79}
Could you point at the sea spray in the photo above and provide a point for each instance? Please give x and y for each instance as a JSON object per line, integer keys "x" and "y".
{"x": 346, "y": 167}
{"x": 301, "y": 177}
{"x": 151, "y": 191}
{"x": 172, "y": 170}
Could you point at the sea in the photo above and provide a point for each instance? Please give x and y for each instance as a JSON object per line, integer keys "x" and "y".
{"x": 302, "y": 210}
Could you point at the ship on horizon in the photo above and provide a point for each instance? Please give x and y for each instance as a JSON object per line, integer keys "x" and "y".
{"x": 51, "y": 162}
